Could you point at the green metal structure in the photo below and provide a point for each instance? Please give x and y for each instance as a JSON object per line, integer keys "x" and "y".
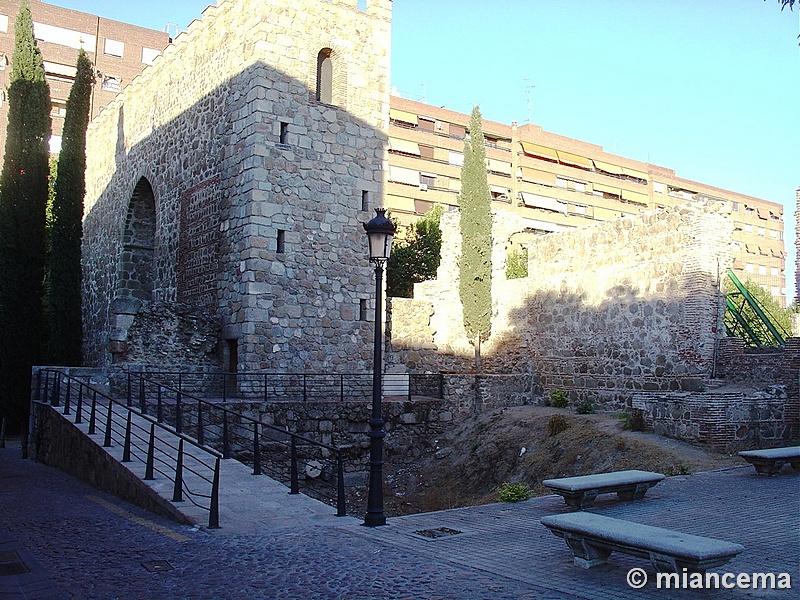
{"x": 750, "y": 320}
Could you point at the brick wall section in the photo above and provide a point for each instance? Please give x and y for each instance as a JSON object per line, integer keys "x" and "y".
{"x": 207, "y": 116}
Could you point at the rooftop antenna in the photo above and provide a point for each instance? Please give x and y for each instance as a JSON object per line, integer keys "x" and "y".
{"x": 528, "y": 88}
{"x": 424, "y": 94}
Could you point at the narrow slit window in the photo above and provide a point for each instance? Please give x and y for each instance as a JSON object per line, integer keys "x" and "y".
{"x": 362, "y": 310}
{"x": 325, "y": 76}
{"x": 284, "y": 138}
{"x": 280, "y": 247}
{"x": 364, "y": 200}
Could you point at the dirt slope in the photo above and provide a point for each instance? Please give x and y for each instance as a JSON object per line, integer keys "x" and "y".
{"x": 466, "y": 466}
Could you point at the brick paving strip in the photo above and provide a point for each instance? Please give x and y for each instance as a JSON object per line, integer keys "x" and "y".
{"x": 95, "y": 546}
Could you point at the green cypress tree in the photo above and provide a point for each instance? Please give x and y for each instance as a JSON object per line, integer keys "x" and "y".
{"x": 23, "y": 202}
{"x": 64, "y": 298}
{"x": 475, "y": 263}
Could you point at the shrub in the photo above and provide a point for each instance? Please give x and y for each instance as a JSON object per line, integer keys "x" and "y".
{"x": 557, "y": 424}
{"x": 585, "y": 408}
{"x": 514, "y": 492}
{"x": 559, "y": 399}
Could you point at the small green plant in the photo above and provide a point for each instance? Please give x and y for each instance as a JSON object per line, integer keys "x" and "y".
{"x": 625, "y": 420}
{"x": 679, "y": 469}
{"x": 514, "y": 492}
{"x": 585, "y": 408}
{"x": 559, "y": 399}
{"x": 557, "y": 424}
{"x": 517, "y": 263}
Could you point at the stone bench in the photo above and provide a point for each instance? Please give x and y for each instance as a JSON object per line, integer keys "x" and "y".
{"x": 592, "y": 538}
{"x": 580, "y": 492}
{"x": 771, "y": 460}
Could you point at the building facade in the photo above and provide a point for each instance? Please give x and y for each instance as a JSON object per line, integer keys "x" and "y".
{"x": 558, "y": 183}
{"x": 118, "y": 51}
{"x": 238, "y": 200}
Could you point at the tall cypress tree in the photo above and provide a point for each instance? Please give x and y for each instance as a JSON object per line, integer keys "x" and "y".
{"x": 64, "y": 298}
{"x": 23, "y": 202}
{"x": 475, "y": 263}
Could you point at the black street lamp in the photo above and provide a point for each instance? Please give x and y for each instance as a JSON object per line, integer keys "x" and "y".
{"x": 380, "y": 232}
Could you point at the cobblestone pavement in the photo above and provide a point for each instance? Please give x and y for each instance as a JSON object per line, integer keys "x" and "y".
{"x": 82, "y": 543}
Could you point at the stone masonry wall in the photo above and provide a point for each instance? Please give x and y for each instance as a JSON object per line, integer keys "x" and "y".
{"x": 607, "y": 310}
{"x": 225, "y": 130}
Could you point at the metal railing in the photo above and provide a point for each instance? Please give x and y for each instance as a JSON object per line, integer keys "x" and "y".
{"x": 193, "y": 467}
{"x": 292, "y": 387}
{"x": 285, "y": 456}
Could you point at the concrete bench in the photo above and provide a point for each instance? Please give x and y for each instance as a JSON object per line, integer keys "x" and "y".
{"x": 592, "y": 538}
{"x": 771, "y": 460}
{"x": 580, "y": 492}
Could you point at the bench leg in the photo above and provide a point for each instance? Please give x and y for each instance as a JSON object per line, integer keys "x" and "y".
{"x": 636, "y": 492}
{"x": 584, "y": 554}
{"x": 580, "y": 500}
{"x": 768, "y": 466}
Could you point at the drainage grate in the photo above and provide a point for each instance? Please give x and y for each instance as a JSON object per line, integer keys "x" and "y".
{"x": 157, "y": 566}
{"x": 11, "y": 564}
{"x": 437, "y": 533}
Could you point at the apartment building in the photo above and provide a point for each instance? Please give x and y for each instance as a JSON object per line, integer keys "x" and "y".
{"x": 556, "y": 183}
{"x": 118, "y": 51}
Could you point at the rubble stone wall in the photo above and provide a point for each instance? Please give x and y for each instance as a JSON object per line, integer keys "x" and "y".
{"x": 258, "y": 187}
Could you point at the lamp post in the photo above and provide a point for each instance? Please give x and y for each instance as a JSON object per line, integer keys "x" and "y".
{"x": 380, "y": 232}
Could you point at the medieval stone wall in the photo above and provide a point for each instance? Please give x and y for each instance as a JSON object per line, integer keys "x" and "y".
{"x": 259, "y": 188}
{"x": 606, "y": 310}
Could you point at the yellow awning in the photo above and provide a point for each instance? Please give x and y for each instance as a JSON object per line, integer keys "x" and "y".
{"x": 637, "y": 197}
{"x": 763, "y": 213}
{"x": 536, "y": 176}
{"x": 401, "y": 115}
{"x": 634, "y": 173}
{"x": 608, "y": 167}
{"x": 498, "y": 166}
{"x": 609, "y": 189}
{"x": 537, "y": 150}
{"x": 574, "y": 159}
{"x": 404, "y": 146}
{"x": 536, "y": 201}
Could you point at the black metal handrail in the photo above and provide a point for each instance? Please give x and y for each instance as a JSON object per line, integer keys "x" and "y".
{"x": 160, "y": 448}
{"x": 294, "y": 387}
{"x": 282, "y": 454}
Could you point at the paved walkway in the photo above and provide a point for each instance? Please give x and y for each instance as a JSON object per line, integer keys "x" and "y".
{"x": 77, "y": 542}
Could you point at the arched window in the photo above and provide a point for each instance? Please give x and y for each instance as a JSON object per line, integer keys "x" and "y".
{"x": 325, "y": 76}
{"x": 135, "y": 274}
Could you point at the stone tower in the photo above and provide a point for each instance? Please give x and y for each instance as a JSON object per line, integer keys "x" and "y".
{"x": 226, "y": 187}
{"x": 797, "y": 248}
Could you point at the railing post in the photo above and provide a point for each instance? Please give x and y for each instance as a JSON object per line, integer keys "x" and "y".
{"x": 93, "y": 415}
{"x": 128, "y": 395}
{"x": 177, "y": 491}
{"x": 79, "y": 407}
{"x": 224, "y": 388}
{"x": 159, "y": 407}
{"x": 178, "y": 410}
{"x": 409, "y": 386}
{"x": 213, "y": 513}
{"x": 55, "y": 399}
{"x": 46, "y": 386}
{"x": 226, "y": 447}
{"x": 142, "y": 398}
{"x": 66, "y": 397}
{"x": 304, "y": 387}
{"x": 256, "y": 451}
{"x": 151, "y": 454}
{"x": 38, "y": 385}
{"x": 341, "y": 387}
{"x": 294, "y": 486}
{"x": 3, "y": 432}
{"x": 107, "y": 441}
{"x": 200, "y": 422}
{"x": 266, "y": 386}
{"x": 126, "y": 451}
{"x": 341, "y": 505}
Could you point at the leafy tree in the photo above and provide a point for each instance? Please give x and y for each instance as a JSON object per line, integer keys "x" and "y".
{"x": 417, "y": 258}
{"x": 23, "y": 202}
{"x": 780, "y": 317}
{"x": 475, "y": 263}
{"x": 517, "y": 263}
{"x": 64, "y": 298}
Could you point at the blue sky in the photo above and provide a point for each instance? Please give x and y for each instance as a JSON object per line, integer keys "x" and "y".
{"x": 709, "y": 88}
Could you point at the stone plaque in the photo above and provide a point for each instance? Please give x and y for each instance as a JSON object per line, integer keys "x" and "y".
{"x": 198, "y": 246}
